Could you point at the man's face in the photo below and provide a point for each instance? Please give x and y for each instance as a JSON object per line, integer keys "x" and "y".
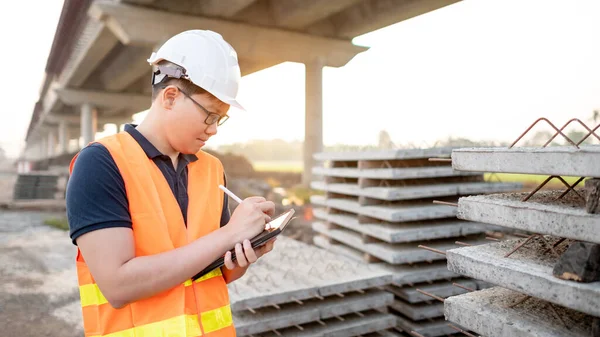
{"x": 186, "y": 126}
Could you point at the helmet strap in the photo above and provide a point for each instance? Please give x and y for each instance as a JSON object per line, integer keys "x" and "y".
{"x": 163, "y": 73}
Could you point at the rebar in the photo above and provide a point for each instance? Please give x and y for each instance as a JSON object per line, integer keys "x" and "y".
{"x": 432, "y": 249}
{"x": 445, "y": 203}
{"x": 463, "y": 287}
{"x": 552, "y": 125}
{"x": 430, "y": 295}
{"x": 461, "y": 330}
{"x": 520, "y": 301}
{"x": 590, "y": 132}
{"x": 520, "y": 245}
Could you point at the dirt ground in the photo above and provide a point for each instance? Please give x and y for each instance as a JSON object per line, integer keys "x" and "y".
{"x": 38, "y": 283}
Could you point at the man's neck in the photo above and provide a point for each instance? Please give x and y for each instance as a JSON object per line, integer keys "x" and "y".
{"x": 149, "y": 128}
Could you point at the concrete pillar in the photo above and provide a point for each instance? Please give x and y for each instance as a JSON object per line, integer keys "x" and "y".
{"x": 63, "y": 137}
{"x": 89, "y": 123}
{"x": 43, "y": 148}
{"x": 51, "y": 144}
{"x": 313, "y": 125}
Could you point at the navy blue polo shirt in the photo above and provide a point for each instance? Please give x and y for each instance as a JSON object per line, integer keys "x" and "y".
{"x": 96, "y": 196}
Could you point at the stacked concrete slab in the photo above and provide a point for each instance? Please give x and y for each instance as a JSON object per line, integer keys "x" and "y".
{"x": 302, "y": 290}
{"x": 377, "y": 206}
{"x": 527, "y": 300}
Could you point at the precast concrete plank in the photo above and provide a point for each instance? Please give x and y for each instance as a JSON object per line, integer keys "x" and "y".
{"x": 407, "y": 274}
{"x": 416, "y": 211}
{"x": 392, "y": 173}
{"x": 406, "y": 231}
{"x": 392, "y": 253}
{"x": 553, "y": 160}
{"x": 384, "y": 154}
{"x": 542, "y": 213}
{"x": 298, "y": 271}
{"x": 492, "y": 313}
{"x": 419, "y": 311}
{"x": 528, "y": 270}
{"x": 441, "y": 289}
{"x": 394, "y": 193}
{"x": 292, "y": 314}
{"x": 352, "y": 325}
{"x": 433, "y": 328}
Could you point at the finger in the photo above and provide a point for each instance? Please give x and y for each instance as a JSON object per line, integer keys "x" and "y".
{"x": 269, "y": 246}
{"x": 250, "y": 254}
{"x": 267, "y": 207}
{"x": 266, "y": 248}
{"x": 239, "y": 255}
{"x": 228, "y": 262}
{"x": 255, "y": 199}
{"x": 267, "y": 224}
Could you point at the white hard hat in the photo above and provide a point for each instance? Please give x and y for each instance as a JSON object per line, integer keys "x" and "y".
{"x": 206, "y": 59}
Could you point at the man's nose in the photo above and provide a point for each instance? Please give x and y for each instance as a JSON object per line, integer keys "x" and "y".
{"x": 211, "y": 129}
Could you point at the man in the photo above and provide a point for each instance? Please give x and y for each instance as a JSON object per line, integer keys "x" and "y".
{"x": 145, "y": 210}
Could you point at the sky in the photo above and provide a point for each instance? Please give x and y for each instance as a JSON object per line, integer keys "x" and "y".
{"x": 479, "y": 69}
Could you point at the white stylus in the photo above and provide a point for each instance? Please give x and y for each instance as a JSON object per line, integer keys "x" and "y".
{"x": 239, "y": 201}
{"x": 229, "y": 193}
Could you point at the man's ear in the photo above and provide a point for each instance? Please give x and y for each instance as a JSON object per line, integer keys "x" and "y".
{"x": 168, "y": 96}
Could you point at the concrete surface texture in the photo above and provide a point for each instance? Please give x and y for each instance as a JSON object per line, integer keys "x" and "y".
{"x": 430, "y": 328}
{"x": 391, "y": 173}
{"x": 295, "y": 314}
{"x": 297, "y": 271}
{"x": 493, "y": 313}
{"x": 404, "y": 274}
{"x": 528, "y": 270}
{"x": 441, "y": 289}
{"x": 391, "y": 212}
{"x": 562, "y": 161}
{"x": 384, "y": 154}
{"x": 38, "y": 283}
{"x": 393, "y": 253}
{"x": 349, "y": 325}
{"x": 378, "y": 207}
{"x": 416, "y": 191}
{"x": 405, "y": 231}
{"x": 542, "y": 213}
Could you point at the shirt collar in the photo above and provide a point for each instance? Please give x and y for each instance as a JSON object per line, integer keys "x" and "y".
{"x": 150, "y": 150}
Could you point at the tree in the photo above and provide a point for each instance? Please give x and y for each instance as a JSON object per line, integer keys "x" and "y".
{"x": 385, "y": 141}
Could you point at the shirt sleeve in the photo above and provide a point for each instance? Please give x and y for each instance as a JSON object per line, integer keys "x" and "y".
{"x": 96, "y": 196}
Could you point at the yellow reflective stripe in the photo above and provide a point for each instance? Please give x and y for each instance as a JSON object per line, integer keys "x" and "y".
{"x": 90, "y": 294}
{"x": 211, "y": 274}
{"x": 216, "y": 319}
{"x": 180, "y": 326}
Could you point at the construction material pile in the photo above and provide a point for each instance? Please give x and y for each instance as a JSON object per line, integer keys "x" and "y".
{"x": 379, "y": 206}
{"x": 548, "y": 282}
{"x": 303, "y": 290}
{"x": 36, "y": 185}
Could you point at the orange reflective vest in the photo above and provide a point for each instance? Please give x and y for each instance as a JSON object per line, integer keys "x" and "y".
{"x": 198, "y": 308}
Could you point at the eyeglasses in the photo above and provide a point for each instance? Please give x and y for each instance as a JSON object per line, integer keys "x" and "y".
{"x": 211, "y": 117}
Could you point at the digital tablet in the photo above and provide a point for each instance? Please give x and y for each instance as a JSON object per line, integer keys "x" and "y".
{"x": 277, "y": 226}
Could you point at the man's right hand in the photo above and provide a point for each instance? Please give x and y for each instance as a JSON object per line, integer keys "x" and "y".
{"x": 250, "y": 217}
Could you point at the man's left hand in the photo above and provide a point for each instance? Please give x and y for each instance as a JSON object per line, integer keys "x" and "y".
{"x": 246, "y": 255}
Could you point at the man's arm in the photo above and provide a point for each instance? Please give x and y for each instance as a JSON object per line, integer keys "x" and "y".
{"x": 229, "y": 275}
{"x": 124, "y": 278}
{"x": 110, "y": 251}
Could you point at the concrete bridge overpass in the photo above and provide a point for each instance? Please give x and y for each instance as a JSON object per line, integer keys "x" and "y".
{"x": 97, "y": 72}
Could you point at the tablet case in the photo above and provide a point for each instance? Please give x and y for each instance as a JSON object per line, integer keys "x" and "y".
{"x": 257, "y": 241}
